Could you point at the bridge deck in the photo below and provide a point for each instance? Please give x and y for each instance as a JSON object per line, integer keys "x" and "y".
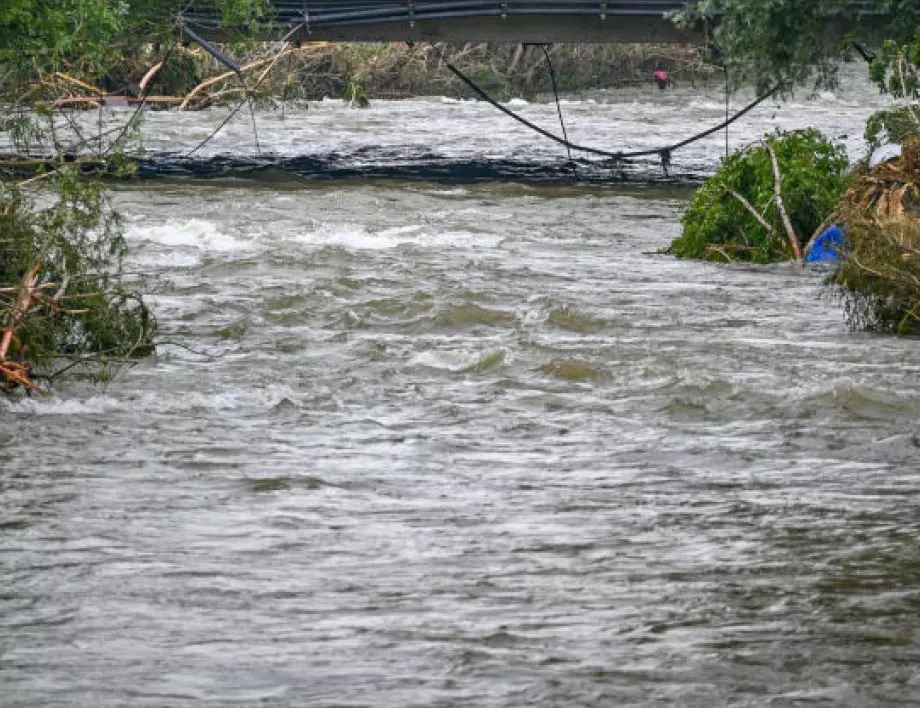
{"x": 615, "y": 21}
{"x": 536, "y": 21}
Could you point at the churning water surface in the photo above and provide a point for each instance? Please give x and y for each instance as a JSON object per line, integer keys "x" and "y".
{"x": 421, "y": 444}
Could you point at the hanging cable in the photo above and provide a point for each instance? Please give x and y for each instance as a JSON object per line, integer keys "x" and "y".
{"x": 255, "y": 129}
{"x": 218, "y": 128}
{"x": 663, "y": 153}
{"x": 727, "y": 108}
{"x": 212, "y": 50}
{"x": 249, "y": 97}
{"x": 552, "y": 76}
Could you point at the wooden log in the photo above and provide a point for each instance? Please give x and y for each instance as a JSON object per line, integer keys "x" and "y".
{"x": 19, "y": 310}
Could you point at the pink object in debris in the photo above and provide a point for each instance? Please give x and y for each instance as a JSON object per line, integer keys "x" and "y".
{"x": 662, "y": 78}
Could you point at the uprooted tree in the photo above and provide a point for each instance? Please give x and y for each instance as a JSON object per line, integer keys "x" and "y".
{"x": 64, "y": 294}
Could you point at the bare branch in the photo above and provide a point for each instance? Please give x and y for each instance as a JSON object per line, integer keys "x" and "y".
{"x": 780, "y": 205}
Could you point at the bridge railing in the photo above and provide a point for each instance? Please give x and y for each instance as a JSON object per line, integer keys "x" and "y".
{"x": 490, "y": 20}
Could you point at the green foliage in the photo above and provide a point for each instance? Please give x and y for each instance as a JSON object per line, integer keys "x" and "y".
{"x": 89, "y": 309}
{"x": 49, "y": 32}
{"x": 179, "y": 75}
{"x": 789, "y": 42}
{"x": 58, "y": 223}
{"x": 769, "y": 41}
{"x": 717, "y": 222}
{"x": 488, "y": 78}
{"x": 898, "y": 125}
{"x": 86, "y": 36}
{"x": 895, "y": 69}
{"x": 355, "y": 91}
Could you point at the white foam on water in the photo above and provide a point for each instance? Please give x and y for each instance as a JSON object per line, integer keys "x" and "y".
{"x": 55, "y": 405}
{"x": 191, "y": 233}
{"x": 397, "y": 231}
{"x": 452, "y": 360}
{"x": 357, "y": 237}
{"x": 349, "y": 236}
{"x": 162, "y": 402}
{"x": 451, "y": 192}
{"x": 232, "y": 400}
{"x": 165, "y": 259}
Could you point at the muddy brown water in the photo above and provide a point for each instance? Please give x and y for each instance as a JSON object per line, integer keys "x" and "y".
{"x": 467, "y": 445}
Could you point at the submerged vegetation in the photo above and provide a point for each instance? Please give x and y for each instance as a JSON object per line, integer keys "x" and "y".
{"x": 881, "y": 279}
{"x": 64, "y": 294}
{"x": 763, "y": 210}
{"x": 767, "y": 202}
{"x": 191, "y": 79}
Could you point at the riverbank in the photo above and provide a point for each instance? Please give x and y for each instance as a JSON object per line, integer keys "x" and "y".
{"x": 192, "y": 79}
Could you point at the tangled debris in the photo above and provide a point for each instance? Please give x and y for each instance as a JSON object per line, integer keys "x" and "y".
{"x": 881, "y": 278}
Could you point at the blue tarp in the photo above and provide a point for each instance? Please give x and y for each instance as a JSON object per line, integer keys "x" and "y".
{"x": 829, "y": 248}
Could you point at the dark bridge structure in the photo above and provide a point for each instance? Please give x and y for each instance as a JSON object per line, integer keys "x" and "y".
{"x": 524, "y": 21}
{"x": 529, "y": 21}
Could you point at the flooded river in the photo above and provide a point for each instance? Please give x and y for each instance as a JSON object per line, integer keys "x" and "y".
{"x": 419, "y": 443}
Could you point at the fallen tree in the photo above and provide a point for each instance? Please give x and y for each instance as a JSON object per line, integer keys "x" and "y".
{"x": 65, "y": 298}
{"x": 67, "y": 304}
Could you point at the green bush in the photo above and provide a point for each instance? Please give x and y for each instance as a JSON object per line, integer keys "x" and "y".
{"x": 718, "y": 225}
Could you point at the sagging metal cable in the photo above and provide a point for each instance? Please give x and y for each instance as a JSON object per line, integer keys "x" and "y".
{"x": 663, "y": 153}
{"x": 213, "y": 51}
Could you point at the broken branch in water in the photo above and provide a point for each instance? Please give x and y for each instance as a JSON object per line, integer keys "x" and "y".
{"x": 750, "y": 207}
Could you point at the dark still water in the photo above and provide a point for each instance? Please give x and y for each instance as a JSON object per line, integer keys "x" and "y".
{"x": 459, "y": 445}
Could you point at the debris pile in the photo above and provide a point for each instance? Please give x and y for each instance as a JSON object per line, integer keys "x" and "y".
{"x": 881, "y": 277}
